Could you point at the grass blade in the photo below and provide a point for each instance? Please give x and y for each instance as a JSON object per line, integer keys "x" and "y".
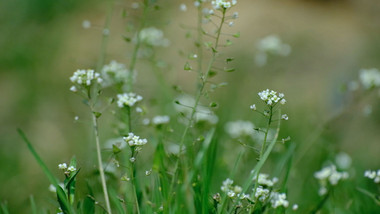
{"x": 61, "y": 195}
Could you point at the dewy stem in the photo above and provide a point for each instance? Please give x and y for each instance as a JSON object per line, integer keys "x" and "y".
{"x": 101, "y": 171}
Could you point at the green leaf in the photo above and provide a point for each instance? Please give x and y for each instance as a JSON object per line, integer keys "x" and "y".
{"x": 127, "y": 39}
{"x": 115, "y": 149}
{"x": 213, "y": 105}
{"x": 88, "y": 205}
{"x": 228, "y": 42}
{"x": 187, "y": 67}
{"x": 62, "y": 200}
{"x": 61, "y": 195}
{"x": 229, "y": 60}
{"x": 212, "y": 73}
{"x": 97, "y": 114}
{"x": 236, "y": 35}
{"x": 4, "y": 208}
{"x": 229, "y": 69}
{"x": 33, "y": 205}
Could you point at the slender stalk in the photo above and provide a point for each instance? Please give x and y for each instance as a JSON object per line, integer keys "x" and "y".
{"x": 134, "y": 188}
{"x": 105, "y": 36}
{"x": 101, "y": 171}
{"x": 133, "y": 166}
{"x": 132, "y": 64}
{"x": 203, "y": 77}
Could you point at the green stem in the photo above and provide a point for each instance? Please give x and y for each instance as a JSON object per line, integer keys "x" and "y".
{"x": 132, "y": 64}
{"x": 105, "y": 36}
{"x": 101, "y": 171}
{"x": 134, "y": 188}
{"x": 203, "y": 78}
{"x": 263, "y": 149}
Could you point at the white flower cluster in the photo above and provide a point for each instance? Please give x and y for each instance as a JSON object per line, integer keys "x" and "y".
{"x": 84, "y": 77}
{"x": 64, "y": 167}
{"x": 134, "y": 140}
{"x": 329, "y": 175}
{"x": 223, "y": 4}
{"x": 373, "y": 175}
{"x": 278, "y": 200}
{"x": 153, "y": 36}
{"x": 202, "y": 114}
{"x": 114, "y": 72}
{"x": 239, "y": 128}
{"x": 370, "y": 78}
{"x": 232, "y": 191}
{"x": 261, "y": 193}
{"x": 271, "y": 97}
{"x": 271, "y": 44}
{"x": 128, "y": 99}
{"x": 160, "y": 119}
{"x": 265, "y": 181}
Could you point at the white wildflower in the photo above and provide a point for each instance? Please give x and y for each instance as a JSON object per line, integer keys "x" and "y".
{"x": 62, "y": 166}
{"x": 135, "y": 5}
{"x": 183, "y": 7}
{"x": 369, "y": 78}
{"x": 153, "y": 37}
{"x": 265, "y": 181}
{"x": 231, "y": 23}
{"x": 235, "y": 15}
{"x": 86, "y": 24}
{"x": 85, "y": 78}
{"x": 284, "y": 117}
{"x": 223, "y": 4}
{"x": 253, "y": 107}
{"x": 114, "y": 72}
{"x": 71, "y": 169}
{"x": 271, "y": 44}
{"x": 106, "y": 31}
{"x": 239, "y": 128}
{"x": 128, "y": 99}
{"x": 158, "y": 120}
{"x": 278, "y": 200}
{"x": 197, "y": 4}
{"x": 330, "y": 175}
{"x": 132, "y": 159}
{"x": 375, "y": 176}
{"x": 261, "y": 193}
{"x": 73, "y": 89}
{"x": 271, "y": 97}
{"x": 295, "y": 207}
{"x": 343, "y": 160}
{"x": 134, "y": 140}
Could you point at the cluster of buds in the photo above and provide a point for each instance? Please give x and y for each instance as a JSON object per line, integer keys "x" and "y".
{"x": 67, "y": 170}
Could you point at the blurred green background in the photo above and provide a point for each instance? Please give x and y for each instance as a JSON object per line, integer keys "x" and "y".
{"x": 43, "y": 43}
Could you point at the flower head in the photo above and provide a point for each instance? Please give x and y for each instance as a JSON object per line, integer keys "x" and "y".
{"x": 128, "y": 99}
{"x": 113, "y": 73}
{"x": 158, "y": 120}
{"x": 134, "y": 140}
{"x": 271, "y": 97}
{"x": 370, "y": 78}
{"x": 375, "y": 176}
{"x": 153, "y": 37}
{"x": 85, "y": 77}
{"x": 223, "y": 4}
{"x": 329, "y": 175}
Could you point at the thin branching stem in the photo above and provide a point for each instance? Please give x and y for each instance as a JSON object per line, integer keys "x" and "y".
{"x": 101, "y": 171}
